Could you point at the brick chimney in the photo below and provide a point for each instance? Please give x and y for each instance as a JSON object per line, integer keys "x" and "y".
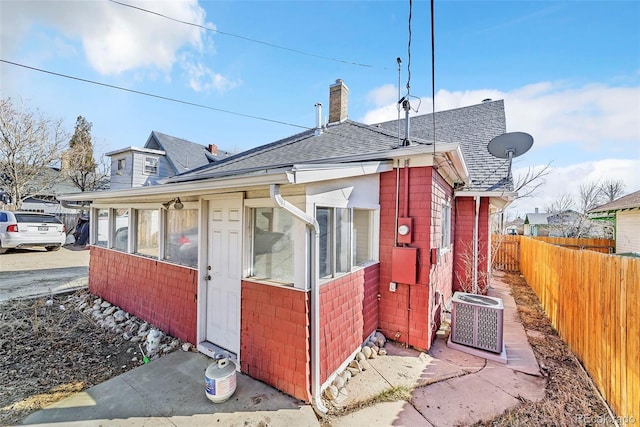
{"x": 213, "y": 149}
{"x": 338, "y": 101}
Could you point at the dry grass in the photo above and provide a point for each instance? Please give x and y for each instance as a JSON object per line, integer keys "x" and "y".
{"x": 49, "y": 351}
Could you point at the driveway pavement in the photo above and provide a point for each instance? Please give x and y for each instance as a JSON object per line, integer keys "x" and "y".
{"x": 27, "y": 273}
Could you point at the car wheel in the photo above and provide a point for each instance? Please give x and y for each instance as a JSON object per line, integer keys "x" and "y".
{"x": 53, "y": 248}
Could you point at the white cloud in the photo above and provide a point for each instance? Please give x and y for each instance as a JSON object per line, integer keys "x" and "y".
{"x": 555, "y": 113}
{"x": 117, "y": 38}
{"x": 201, "y": 78}
{"x": 601, "y": 120}
{"x": 383, "y": 95}
{"x": 567, "y": 180}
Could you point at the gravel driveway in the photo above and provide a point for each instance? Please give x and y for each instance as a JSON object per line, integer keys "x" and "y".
{"x": 26, "y": 272}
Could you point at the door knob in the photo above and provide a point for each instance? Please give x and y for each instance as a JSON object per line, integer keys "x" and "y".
{"x": 207, "y": 277}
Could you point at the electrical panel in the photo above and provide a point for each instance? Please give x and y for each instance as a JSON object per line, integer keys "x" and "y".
{"x": 404, "y": 265}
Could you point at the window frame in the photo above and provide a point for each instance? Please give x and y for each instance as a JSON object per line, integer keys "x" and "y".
{"x": 132, "y": 209}
{"x": 333, "y": 270}
{"x": 445, "y": 225}
{"x": 156, "y": 166}
{"x": 121, "y": 164}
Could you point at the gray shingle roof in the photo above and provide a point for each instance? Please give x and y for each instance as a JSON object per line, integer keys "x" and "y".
{"x": 473, "y": 127}
{"x": 537, "y": 218}
{"x": 338, "y": 140}
{"x": 629, "y": 201}
{"x": 183, "y": 155}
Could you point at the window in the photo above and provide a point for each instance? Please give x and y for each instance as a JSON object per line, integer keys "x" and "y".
{"x": 122, "y": 164}
{"x": 272, "y": 245}
{"x": 335, "y": 235}
{"x": 121, "y": 232}
{"x": 147, "y": 227}
{"x": 150, "y": 166}
{"x": 363, "y": 244}
{"x": 182, "y": 237}
{"x": 102, "y": 217}
{"x": 445, "y": 226}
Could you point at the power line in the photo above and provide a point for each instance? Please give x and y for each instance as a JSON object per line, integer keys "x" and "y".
{"x": 166, "y": 98}
{"x": 327, "y": 58}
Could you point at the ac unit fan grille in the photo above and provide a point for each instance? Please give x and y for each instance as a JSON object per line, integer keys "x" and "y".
{"x": 477, "y": 321}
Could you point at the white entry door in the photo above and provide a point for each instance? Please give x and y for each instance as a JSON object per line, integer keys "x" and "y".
{"x": 223, "y": 284}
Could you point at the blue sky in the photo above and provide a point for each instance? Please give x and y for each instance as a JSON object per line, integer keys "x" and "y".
{"x": 568, "y": 71}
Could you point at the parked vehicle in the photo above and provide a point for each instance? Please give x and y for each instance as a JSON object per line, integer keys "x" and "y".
{"x": 31, "y": 229}
{"x": 182, "y": 247}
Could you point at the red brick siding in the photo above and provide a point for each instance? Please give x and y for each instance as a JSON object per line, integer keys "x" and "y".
{"x": 274, "y": 337}
{"x": 370, "y": 301}
{"x": 160, "y": 293}
{"x": 463, "y": 248}
{"x": 406, "y": 315}
{"x": 347, "y": 316}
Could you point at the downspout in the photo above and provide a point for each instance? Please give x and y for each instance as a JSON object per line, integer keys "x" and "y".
{"x": 475, "y": 244}
{"x": 314, "y": 227}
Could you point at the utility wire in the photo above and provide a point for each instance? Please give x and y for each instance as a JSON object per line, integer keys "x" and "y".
{"x": 327, "y": 58}
{"x": 433, "y": 75}
{"x": 409, "y": 50}
{"x": 166, "y": 98}
{"x": 179, "y": 101}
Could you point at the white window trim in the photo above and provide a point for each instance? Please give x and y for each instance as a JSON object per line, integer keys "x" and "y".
{"x": 301, "y": 262}
{"x": 131, "y": 225}
{"x": 144, "y": 165}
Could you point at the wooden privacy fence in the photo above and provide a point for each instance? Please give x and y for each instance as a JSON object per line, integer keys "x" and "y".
{"x": 593, "y": 300}
{"x": 506, "y": 249}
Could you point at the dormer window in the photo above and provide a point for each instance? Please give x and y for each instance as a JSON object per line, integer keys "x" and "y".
{"x": 150, "y": 166}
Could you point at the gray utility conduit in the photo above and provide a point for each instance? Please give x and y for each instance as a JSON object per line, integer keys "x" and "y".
{"x": 314, "y": 228}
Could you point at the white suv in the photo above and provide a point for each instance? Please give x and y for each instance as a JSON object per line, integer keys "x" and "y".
{"x": 30, "y": 229}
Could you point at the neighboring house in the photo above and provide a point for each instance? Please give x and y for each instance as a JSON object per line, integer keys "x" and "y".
{"x": 306, "y": 246}
{"x": 536, "y": 224}
{"x": 162, "y": 156}
{"x": 45, "y": 200}
{"x": 625, "y": 213}
{"x": 567, "y": 223}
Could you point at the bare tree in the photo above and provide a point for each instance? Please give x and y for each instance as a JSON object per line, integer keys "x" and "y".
{"x": 78, "y": 162}
{"x": 611, "y": 189}
{"x": 30, "y": 144}
{"x": 526, "y": 185}
{"x": 563, "y": 218}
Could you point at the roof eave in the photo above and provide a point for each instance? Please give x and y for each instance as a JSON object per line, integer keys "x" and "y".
{"x": 500, "y": 199}
{"x": 186, "y": 188}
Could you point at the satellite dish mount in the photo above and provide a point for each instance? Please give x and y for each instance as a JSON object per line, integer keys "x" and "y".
{"x": 510, "y": 145}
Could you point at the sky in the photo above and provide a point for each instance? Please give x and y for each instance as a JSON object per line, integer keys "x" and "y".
{"x": 568, "y": 72}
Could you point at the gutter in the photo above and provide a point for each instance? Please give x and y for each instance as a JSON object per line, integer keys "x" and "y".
{"x": 78, "y": 206}
{"x": 314, "y": 228}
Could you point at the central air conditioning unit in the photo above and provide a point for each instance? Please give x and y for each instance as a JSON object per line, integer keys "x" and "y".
{"x": 476, "y": 321}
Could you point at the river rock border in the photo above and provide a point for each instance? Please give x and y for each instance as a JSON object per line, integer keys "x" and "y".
{"x": 129, "y": 327}
{"x": 373, "y": 348}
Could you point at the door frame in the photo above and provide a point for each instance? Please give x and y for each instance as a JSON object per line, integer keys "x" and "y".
{"x": 210, "y": 349}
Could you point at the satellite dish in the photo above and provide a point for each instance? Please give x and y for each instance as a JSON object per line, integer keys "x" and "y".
{"x": 510, "y": 145}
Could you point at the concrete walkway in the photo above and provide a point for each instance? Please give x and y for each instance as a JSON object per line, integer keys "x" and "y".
{"x": 450, "y": 387}
{"x": 169, "y": 391}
